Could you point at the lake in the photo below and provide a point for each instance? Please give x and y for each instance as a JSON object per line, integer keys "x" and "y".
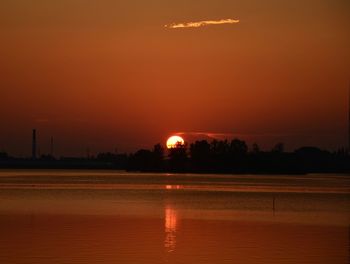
{"x": 73, "y": 216}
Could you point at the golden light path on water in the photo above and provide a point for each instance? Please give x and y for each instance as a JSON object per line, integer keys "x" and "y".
{"x": 170, "y": 224}
{"x": 170, "y": 229}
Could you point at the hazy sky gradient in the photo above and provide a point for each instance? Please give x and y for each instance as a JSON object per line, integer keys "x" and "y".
{"x": 107, "y": 74}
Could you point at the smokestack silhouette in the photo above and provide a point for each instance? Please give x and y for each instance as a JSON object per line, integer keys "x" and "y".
{"x": 51, "y": 147}
{"x": 34, "y": 144}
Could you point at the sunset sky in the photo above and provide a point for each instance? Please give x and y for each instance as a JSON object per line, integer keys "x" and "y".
{"x": 109, "y": 74}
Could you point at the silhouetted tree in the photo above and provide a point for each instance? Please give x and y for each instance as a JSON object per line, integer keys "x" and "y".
{"x": 238, "y": 148}
{"x": 278, "y": 148}
{"x": 238, "y": 153}
{"x": 313, "y": 159}
{"x": 220, "y": 154}
{"x": 201, "y": 155}
{"x": 142, "y": 160}
{"x": 178, "y": 157}
{"x": 220, "y": 148}
{"x": 255, "y": 148}
{"x": 158, "y": 157}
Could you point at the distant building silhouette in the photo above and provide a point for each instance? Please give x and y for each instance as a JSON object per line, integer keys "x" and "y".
{"x": 34, "y": 144}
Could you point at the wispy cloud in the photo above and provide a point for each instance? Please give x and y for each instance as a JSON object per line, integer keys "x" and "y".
{"x": 202, "y": 23}
{"x": 223, "y": 136}
{"x": 208, "y": 134}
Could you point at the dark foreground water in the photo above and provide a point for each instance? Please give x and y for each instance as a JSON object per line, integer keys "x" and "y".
{"x": 115, "y": 217}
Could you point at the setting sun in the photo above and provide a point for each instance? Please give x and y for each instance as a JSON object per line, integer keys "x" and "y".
{"x": 174, "y": 141}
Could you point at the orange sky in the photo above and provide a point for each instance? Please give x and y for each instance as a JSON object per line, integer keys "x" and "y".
{"x": 107, "y": 74}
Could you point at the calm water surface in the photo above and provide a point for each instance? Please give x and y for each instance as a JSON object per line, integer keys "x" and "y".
{"x": 117, "y": 217}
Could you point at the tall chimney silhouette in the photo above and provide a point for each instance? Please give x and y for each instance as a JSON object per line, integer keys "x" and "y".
{"x": 34, "y": 144}
{"x": 51, "y": 147}
{"x": 349, "y": 121}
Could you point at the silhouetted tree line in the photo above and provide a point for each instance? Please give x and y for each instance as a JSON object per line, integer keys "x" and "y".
{"x": 235, "y": 157}
{"x": 218, "y": 156}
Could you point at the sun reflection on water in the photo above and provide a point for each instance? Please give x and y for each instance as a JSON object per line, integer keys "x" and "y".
{"x": 172, "y": 187}
{"x": 170, "y": 229}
